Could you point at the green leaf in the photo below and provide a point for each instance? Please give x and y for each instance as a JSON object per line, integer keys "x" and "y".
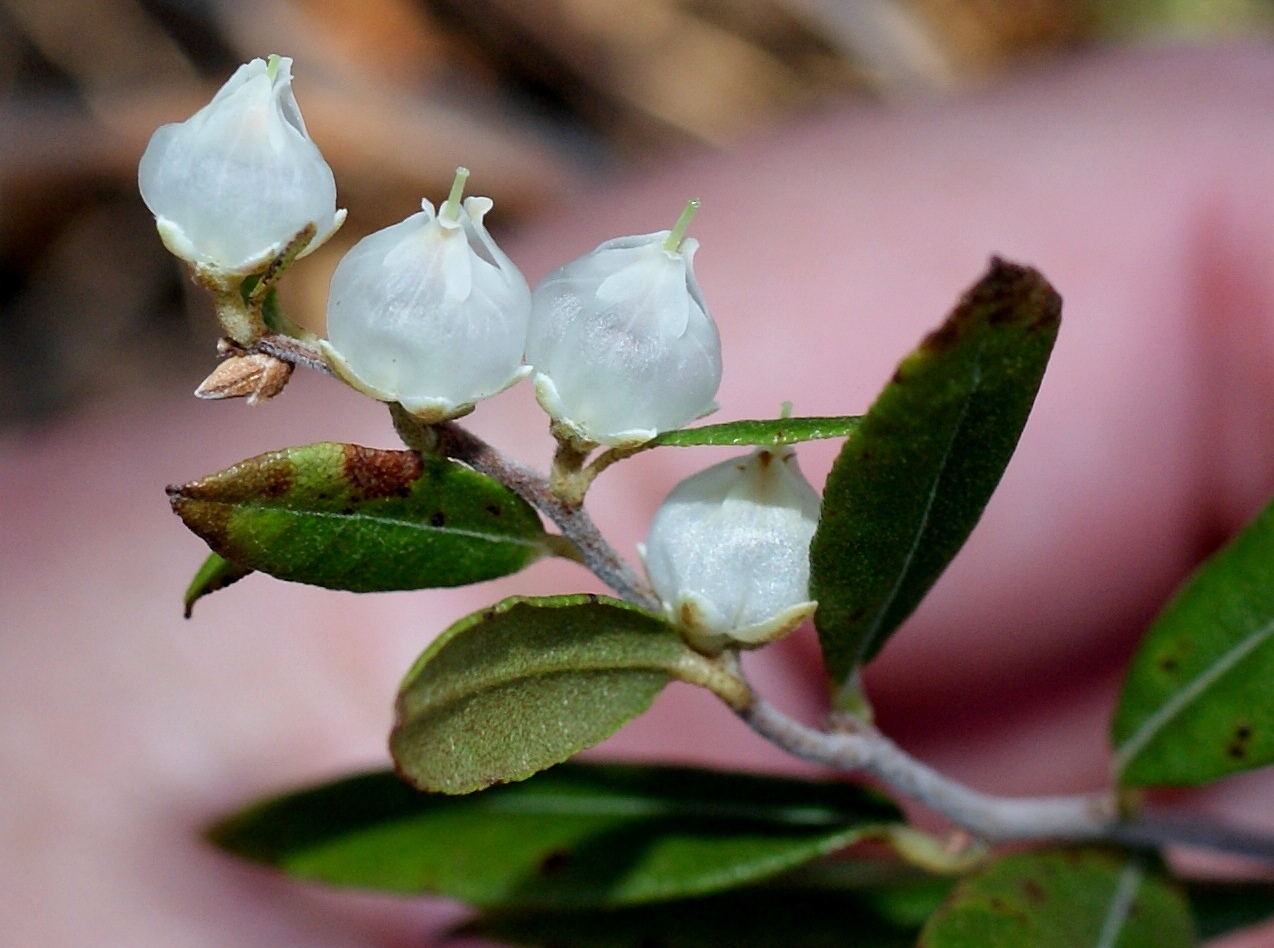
{"x": 576, "y": 836}
{"x": 525, "y": 684}
{"x": 1062, "y": 899}
{"x": 912, "y": 482}
{"x": 362, "y": 519}
{"x": 756, "y": 917}
{"x": 1221, "y": 906}
{"x": 1196, "y": 702}
{"x": 217, "y": 572}
{"x": 769, "y": 433}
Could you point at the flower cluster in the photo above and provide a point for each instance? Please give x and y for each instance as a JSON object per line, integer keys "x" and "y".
{"x": 429, "y": 313}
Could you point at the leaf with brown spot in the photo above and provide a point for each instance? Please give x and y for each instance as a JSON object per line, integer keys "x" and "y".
{"x": 1063, "y": 899}
{"x": 911, "y": 483}
{"x": 363, "y": 519}
{"x": 1196, "y": 703}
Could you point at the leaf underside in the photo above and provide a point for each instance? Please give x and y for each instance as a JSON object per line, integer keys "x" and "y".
{"x": 577, "y": 836}
{"x": 361, "y": 519}
{"x": 1196, "y": 702}
{"x": 526, "y": 684}
{"x": 216, "y": 573}
{"x": 912, "y": 481}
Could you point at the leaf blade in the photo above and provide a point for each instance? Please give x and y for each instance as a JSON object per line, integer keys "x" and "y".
{"x": 526, "y": 684}
{"x": 1195, "y": 702}
{"x": 909, "y": 486}
{"x": 361, "y": 519}
{"x": 576, "y": 836}
{"x": 1221, "y": 906}
{"x": 1062, "y": 899}
{"x": 765, "y": 433}
{"x": 754, "y": 917}
{"x": 214, "y": 574}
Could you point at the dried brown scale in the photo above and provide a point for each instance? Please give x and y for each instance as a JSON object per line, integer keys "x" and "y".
{"x": 256, "y": 376}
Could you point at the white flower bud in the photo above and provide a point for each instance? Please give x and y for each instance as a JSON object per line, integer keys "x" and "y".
{"x": 429, "y": 312}
{"x": 621, "y": 342}
{"x": 728, "y": 552}
{"x": 232, "y": 185}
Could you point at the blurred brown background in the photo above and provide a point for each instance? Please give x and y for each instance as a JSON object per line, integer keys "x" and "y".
{"x": 535, "y": 95}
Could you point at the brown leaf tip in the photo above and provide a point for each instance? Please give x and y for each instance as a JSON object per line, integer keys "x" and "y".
{"x": 1006, "y": 293}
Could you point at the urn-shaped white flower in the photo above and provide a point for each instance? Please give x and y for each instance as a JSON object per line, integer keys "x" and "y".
{"x": 235, "y": 183}
{"x": 728, "y": 552}
{"x": 429, "y": 312}
{"x": 621, "y": 341}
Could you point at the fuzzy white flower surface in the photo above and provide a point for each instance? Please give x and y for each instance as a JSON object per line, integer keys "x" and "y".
{"x": 622, "y": 344}
{"x": 728, "y": 551}
{"x": 429, "y": 313}
{"x": 232, "y": 185}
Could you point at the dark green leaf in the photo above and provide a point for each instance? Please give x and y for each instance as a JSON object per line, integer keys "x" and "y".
{"x": 755, "y": 917}
{"x": 217, "y": 572}
{"x": 1196, "y": 702}
{"x": 1221, "y": 907}
{"x": 912, "y": 482}
{"x": 770, "y": 433}
{"x": 575, "y": 836}
{"x": 362, "y": 519}
{"x": 1062, "y": 899}
{"x": 525, "y": 684}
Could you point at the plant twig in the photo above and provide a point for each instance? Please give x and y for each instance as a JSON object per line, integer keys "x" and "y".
{"x": 573, "y": 520}
{"x": 455, "y": 442}
{"x": 295, "y": 351}
{"x": 997, "y": 819}
{"x": 856, "y": 745}
{"x": 993, "y": 818}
